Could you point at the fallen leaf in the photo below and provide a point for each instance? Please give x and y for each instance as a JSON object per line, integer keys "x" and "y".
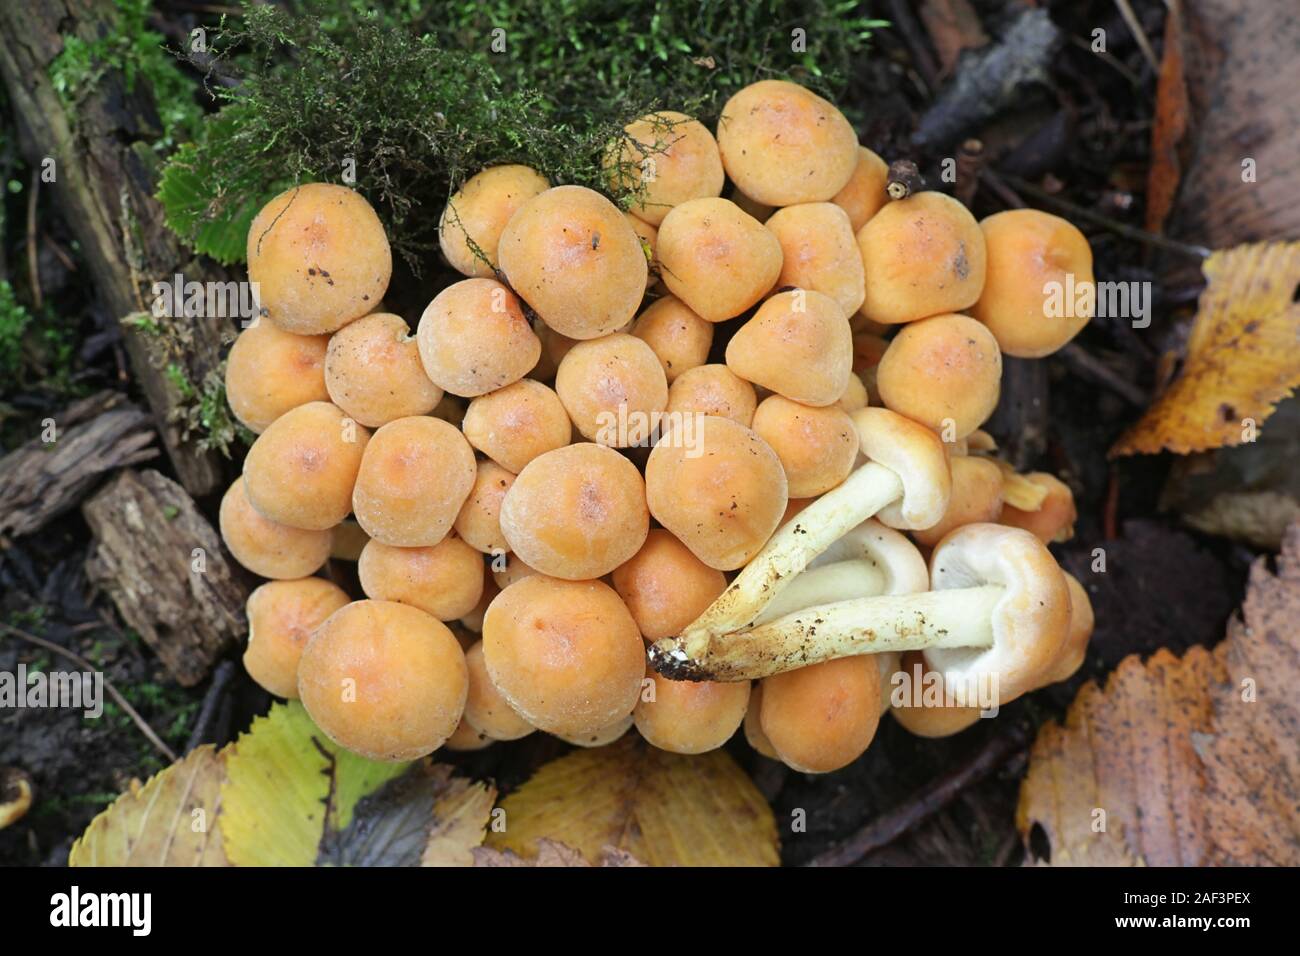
{"x": 172, "y": 820}
{"x": 1185, "y": 761}
{"x": 664, "y": 809}
{"x": 551, "y": 853}
{"x": 953, "y": 26}
{"x": 1170, "y": 140}
{"x": 1242, "y": 358}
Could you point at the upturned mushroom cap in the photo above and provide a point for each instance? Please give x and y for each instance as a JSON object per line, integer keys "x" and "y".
{"x": 373, "y": 371}
{"x": 673, "y": 155}
{"x": 679, "y": 337}
{"x": 820, "y": 252}
{"x": 267, "y": 548}
{"x": 817, "y": 446}
{"x": 301, "y": 471}
{"x": 445, "y": 580}
{"x": 822, "y": 717}
{"x": 944, "y": 372}
{"x": 270, "y": 371}
{"x": 1082, "y": 621}
{"x": 666, "y": 587}
{"x": 415, "y": 476}
{"x": 716, "y": 258}
{"x": 577, "y": 512}
{"x": 565, "y": 654}
{"x": 798, "y": 344}
{"x": 936, "y": 718}
{"x": 782, "y": 144}
{"x": 976, "y": 497}
{"x": 916, "y": 455}
{"x": 281, "y": 618}
{"x": 1029, "y": 253}
{"x": 474, "y": 338}
{"x": 1031, "y": 621}
{"x": 320, "y": 258}
{"x": 384, "y": 680}
{"x": 1055, "y": 517}
{"x": 477, "y": 214}
{"x": 691, "y": 717}
{"x": 486, "y": 708}
{"x": 515, "y": 424}
{"x": 923, "y": 256}
{"x": 571, "y": 255}
{"x": 613, "y": 389}
{"x": 865, "y": 194}
{"x": 713, "y": 390}
{"x": 722, "y": 495}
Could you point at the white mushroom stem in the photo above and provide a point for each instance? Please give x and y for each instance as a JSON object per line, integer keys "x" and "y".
{"x": 865, "y": 492}
{"x": 958, "y": 617}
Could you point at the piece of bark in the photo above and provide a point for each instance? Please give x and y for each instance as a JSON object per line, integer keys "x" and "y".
{"x": 954, "y": 27}
{"x": 990, "y": 79}
{"x": 161, "y": 562}
{"x": 1019, "y": 423}
{"x": 93, "y": 436}
{"x": 103, "y": 187}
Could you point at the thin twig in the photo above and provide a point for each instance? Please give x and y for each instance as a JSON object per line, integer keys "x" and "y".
{"x": 1093, "y": 368}
{"x": 85, "y": 665}
{"x": 900, "y": 12}
{"x": 932, "y": 798}
{"x": 1135, "y": 26}
{"x": 221, "y": 678}
{"x": 33, "y": 257}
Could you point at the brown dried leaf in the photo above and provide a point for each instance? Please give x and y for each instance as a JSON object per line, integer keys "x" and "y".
{"x": 1242, "y": 357}
{"x": 1178, "y": 759}
{"x": 551, "y": 853}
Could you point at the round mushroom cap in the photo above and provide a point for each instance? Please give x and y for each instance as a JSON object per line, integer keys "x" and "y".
{"x": 415, "y": 476}
{"x": 465, "y": 739}
{"x": 712, "y": 390}
{"x": 673, "y": 156}
{"x": 1031, "y": 621}
{"x": 384, "y": 680}
{"x": 679, "y": 337}
{"x": 515, "y": 424}
{"x": 649, "y": 236}
{"x": 577, "y": 512}
{"x": 822, "y": 717}
{"x": 923, "y": 256}
{"x": 319, "y": 257}
{"x": 486, "y": 708}
{"x": 270, "y": 371}
{"x": 477, "y": 214}
{"x": 1055, "y": 517}
{"x": 613, "y": 389}
{"x": 817, "y": 446}
{"x": 281, "y": 618}
{"x": 665, "y": 587}
{"x": 301, "y": 471}
{"x": 917, "y": 712}
{"x": 571, "y": 255}
{"x": 265, "y": 547}
{"x": 754, "y": 725}
{"x": 474, "y": 338}
{"x": 479, "y": 521}
{"x": 944, "y": 372}
{"x": 373, "y": 371}
{"x": 798, "y": 344}
{"x": 916, "y": 455}
{"x": 718, "y": 487}
{"x": 445, "y": 580}
{"x": 782, "y": 144}
{"x": 976, "y": 497}
{"x": 514, "y": 569}
{"x": 601, "y": 736}
{"x": 865, "y": 193}
{"x": 855, "y": 395}
{"x": 716, "y": 258}
{"x": 820, "y": 252}
{"x": 1039, "y": 291}
{"x": 1082, "y": 622}
{"x": 566, "y": 655}
{"x": 691, "y": 717}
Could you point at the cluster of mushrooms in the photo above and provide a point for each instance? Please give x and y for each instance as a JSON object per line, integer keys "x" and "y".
{"x": 575, "y": 514}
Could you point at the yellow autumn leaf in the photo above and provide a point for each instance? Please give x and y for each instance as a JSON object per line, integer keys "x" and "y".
{"x": 1242, "y": 358}
{"x": 664, "y": 809}
{"x": 172, "y": 820}
{"x": 460, "y": 817}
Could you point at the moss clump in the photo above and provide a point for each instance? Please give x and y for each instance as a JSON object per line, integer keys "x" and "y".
{"x": 407, "y": 100}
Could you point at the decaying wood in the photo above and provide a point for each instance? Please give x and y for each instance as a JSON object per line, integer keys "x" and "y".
{"x": 1020, "y": 421}
{"x": 103, "y": 186}
{"x": 161, "y": 562}
{"x": 92, "y": 437}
